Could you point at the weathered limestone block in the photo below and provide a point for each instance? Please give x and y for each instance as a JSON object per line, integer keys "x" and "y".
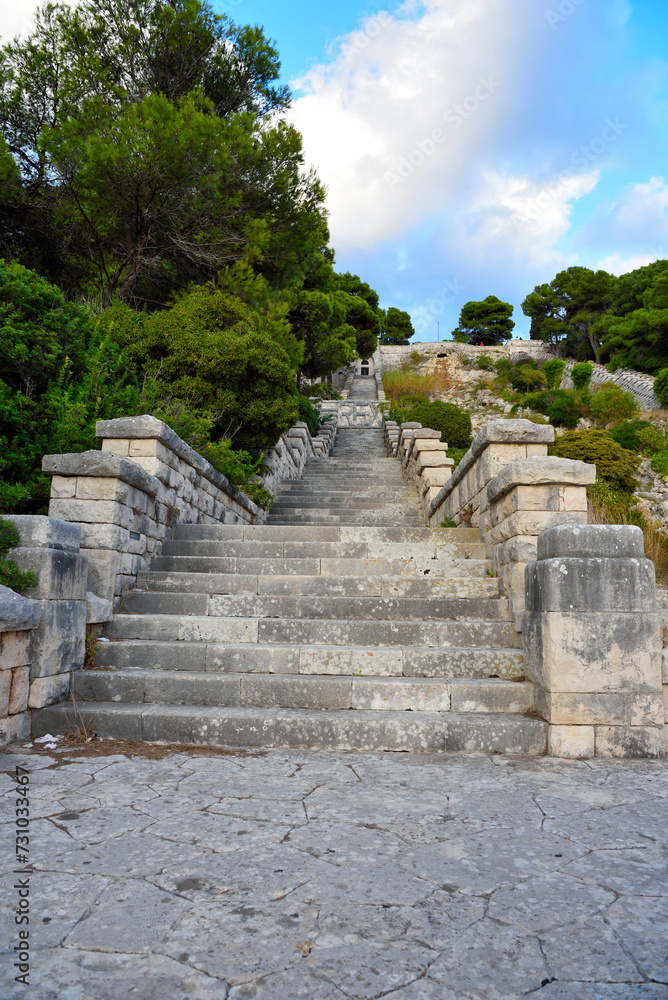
{"x": 14, "y": 728}
{"x": 59, "y": 575}
{"x": 17, "y": 613}
{"x": 432, "y": 460}
{"x": 592, "y": 638}
{"x": 98, "y": 610}
{"x": 571, "y": 741}
{"x": 20, "y": 689}
{"x": 5, "y": 689}
{"x": 60, "y": 638}
{"x": 16, "y": 648}
{"x": 36, "y": 531}
{"x": 49, "y": 690}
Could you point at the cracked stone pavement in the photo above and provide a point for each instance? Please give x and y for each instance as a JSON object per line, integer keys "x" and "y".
{"x": 285, "y": 875}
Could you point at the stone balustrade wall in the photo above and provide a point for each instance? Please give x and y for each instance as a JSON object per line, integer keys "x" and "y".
{"x": 353, "y": 413}
{"x": 641, "y": 386}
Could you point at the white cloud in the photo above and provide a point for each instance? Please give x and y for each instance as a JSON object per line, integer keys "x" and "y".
{"x": 634, "y": 226}
{"x": 615, "y": 264}
{"x": 397, "y": 120}
{"x": 18, "y": 18}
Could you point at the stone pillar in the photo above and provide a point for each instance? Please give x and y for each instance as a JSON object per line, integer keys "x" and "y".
{"x": 50, "y": 548}
{"x": 592, "y": 638}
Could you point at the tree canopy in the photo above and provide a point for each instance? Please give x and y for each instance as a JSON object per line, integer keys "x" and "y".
{"x": 487, "y": 322}
{"x": 396, "y": 327}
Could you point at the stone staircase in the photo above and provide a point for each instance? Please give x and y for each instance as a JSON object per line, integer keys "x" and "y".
{"x": 343, "y": 623}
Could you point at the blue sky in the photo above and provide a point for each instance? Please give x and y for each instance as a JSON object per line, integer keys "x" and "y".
{"x": 560, "y": 159}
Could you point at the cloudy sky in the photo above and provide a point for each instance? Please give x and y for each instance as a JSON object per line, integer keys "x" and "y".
{"x": 476, "y": 147}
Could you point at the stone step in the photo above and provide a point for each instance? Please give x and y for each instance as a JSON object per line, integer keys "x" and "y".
{"x": 453, "y": 732}
{"x": 316, "y": 691}
{"x": 349, "y": 520}
{"x": 314, "y": 566}
{"x": 306, "y": 632}
{"x": 305, "y": 505}
{"x": 277, "y": 532}
{"x": 320, "y": 586}
{"x": 372, "y": 549}
{"x": 188, "y": 657}
{"x": 393, "y": 609}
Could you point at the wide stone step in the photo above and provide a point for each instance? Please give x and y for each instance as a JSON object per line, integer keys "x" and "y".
{"x": 345, "y": 520}
{"x": 314, "y": 566}
{"x": 320, "y": 586}
{"x": 453, "y": 732}
{"x": 302, "y": 631}
{"x": 395, "y": 609}
{"x": 372, "y": 549}
{"x": 445, "y": 662}
{"x": 316, "y": 691}
{"x": 281, "y": 533}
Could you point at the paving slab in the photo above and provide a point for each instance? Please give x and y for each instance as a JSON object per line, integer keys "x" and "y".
{"x": 168, "y": 873}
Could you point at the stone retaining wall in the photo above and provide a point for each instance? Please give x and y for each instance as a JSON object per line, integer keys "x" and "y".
{"x": 353, "y": 413}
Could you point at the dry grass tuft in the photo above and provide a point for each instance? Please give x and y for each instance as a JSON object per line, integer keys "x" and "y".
{"x": 407, "y": 383}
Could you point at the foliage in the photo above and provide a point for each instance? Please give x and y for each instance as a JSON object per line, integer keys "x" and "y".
{"x": 504, "y": 367}
{"x": 636, "y": 325}
{"x": 581, "y": 374}
{"x": 406, "y": 382}
{"x": 322, "y": 390}
{"x": 638, "y": 435}
{"x": 526, "y": 377}
{"x": 571, "y": 309}
{"x": 10, "y": 574}
{"x": 453, "y": 423}
{"x": 659, "y": 463}
{"x": 456, "y": 454}
{"x": 651, "y": 440}
{"x": 610, "y": 404}
{"x": 448, "y": 524}
{"x": 613, "y": 463}
{"x": 553, "y": 371}
{"x": 240, "y": 468}
{"x": 309, "y": 415}
{"x": 561, "y": 407}
{"x": 661, "y": 386}
{"x": 485, "y": 362}
{"x": 396, "y": 327}
{"x": 487, "y": 322}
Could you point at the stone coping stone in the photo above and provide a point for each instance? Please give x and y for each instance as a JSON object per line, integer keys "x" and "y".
{"x": 540, "y": 471}
{"x": 37, "y": 531}
{"x": 148, "y": 427}
{"x": 495, "y": 432}
{"x": 17, "y": 614}
{"x": 588, "y": 541}
{"x": 102, "y": 465}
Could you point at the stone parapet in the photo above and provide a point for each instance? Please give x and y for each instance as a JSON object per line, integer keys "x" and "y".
{"x": 592, "y": 639}
{"x": 353, "y": 413}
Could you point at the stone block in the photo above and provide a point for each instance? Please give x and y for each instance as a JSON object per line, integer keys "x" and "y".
{"x": 49, "y": 690}
{"x": 15, "y": 649}
{"x": 60, "y": 575}
{"x": 589, "y": 653}
{"x": 14, "y": 728}
{"x": 101, "y": 465}
{"x": 433, "y": 460}
{"x": 572, "y": 742}
{"x": 98, "y": 609}
{"x": 591, "y": 584}
{"x": 63, "y": 487}
{"x": 20, "y": 689}
{"x": 540, "y": 471}
{"x": 59, "y": 641}
{"x": 5, "y": 689}
{"x": 36, "y": 531}
{"x": 16, "y": 612}
{"x": 118, "y": 446}
{"x": 630, "y": 741}
{"x": 614, "y": 709}
{"x": 103, "y": 567}
{"x": 573, "y": 498}
{"x": 390, "y": 695}
{"x": 607, "y": 541}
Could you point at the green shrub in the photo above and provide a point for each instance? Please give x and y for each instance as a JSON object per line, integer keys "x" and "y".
{"x": 456, "y": 454}
{"x": 503, "y": 367}
{"x": 610, "y": 404}
{"x": 241, "y": 468}
{"x": 526, "y": 379}
{"x": 10, "y": 574}
{"x": 453, "y": 423}
{"x": 639, "y": 435}
{"x": 553, "y": 371}
{"x": 309, "y": 415}
{"x": 613, "y": 463}
{"x": 581, "y": 374}
{"x": 561, "y": 407}
{"x": 659, "y": 463}
{"x": 485, "y": 362}
{"x": 449, "y": 523}
{"x": 661, "y": 386}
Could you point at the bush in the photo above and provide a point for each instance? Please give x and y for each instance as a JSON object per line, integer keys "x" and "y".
{"x": 10, "y": 574}
{"x": 485, "y": 362}
{"x": 661, "y": 386}
{"x": 639, "y": 435}
{"x": 613, "y": 463}
{"x": 553, "y": 371}
{"x": 503, "y": 367}
{"x": 610, "y": 404}
{"x": 526, "y": 379}
{"x": 453, "y": 423}
{"x": 309, "y": 415}
{"x": 581, "y": 374}
{"x": 560, "y": 406}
